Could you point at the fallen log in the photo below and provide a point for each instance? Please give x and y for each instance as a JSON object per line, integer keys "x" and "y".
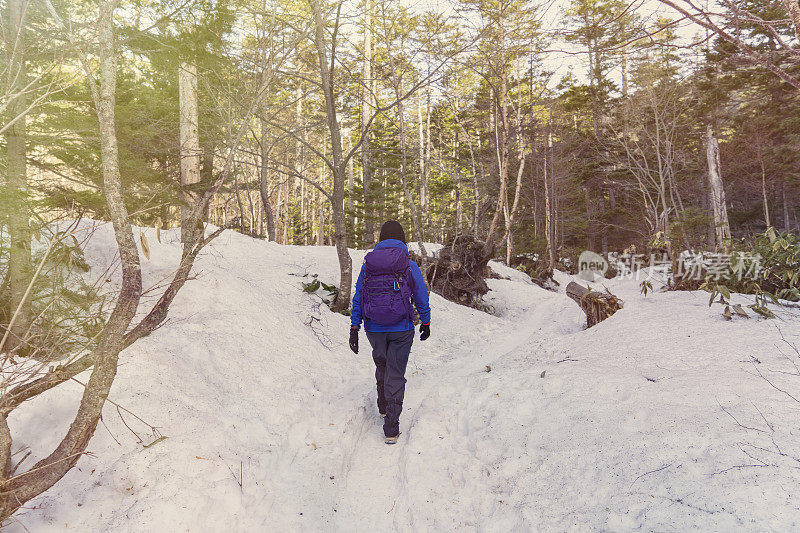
{"x": 596, "y": 305}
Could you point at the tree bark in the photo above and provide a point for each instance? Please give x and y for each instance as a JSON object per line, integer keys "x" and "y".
{"x": 511, "y": 214}
{"x": 625, "y": 71}
{"x": 286, "y": 208}
{"x": 426, "y": 167}
{"x": 321, "y": 229}
{"x": 44, "y": 474}
{"x": 421, "y": 140}
{"x": 239, "y": 204}
{"x": 711, "y": 231}
{"x": 475, "y": 189}
{"x": 351, "y": 221}
{"x": 719, "y": 205}
{"x": 20, "y": 268}
{"x": 404, "y": 177}
{"x": 367, "y": 106}
{"x": 190, "y": 152}
{"x": 764, "y": 184}
{"x": 304, "y": 210}
{"x": 597, "y": 305}
{"x": 786, "y": 225}
{"x": 338, "y": 164}
{"x": 589, "y": 220}
{"x": 549, "y": 229}
{"x": 502, "y": 140}
{"x": 264, "y": 185}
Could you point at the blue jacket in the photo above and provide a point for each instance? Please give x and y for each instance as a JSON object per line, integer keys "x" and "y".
{"x": 419, "y": 290}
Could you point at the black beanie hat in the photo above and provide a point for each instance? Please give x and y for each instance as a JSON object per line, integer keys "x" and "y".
{"x": 392, "y": 229}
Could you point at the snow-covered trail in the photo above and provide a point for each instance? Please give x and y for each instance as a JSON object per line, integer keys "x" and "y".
{"x": 395, "y": 482}
{"x": 272, "y": 424}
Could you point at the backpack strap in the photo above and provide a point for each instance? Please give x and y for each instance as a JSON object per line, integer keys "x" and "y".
{"x": 410, "y": 301}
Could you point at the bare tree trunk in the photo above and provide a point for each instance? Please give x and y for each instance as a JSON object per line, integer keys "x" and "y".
{"x": 719, "y": 206}
{"x": 286, "y": 207}
{"x": 239, "y": 204}
{"x": 559, "y": 216}
{"x": 459, "y": 210}
{"x": 252, "y": 225}
{"x": 19, "y": 262}
{"x": 44, "y": 474}
{"x": 260, "y": 213}
{"x": 764, "y": 184}
{"x": 351, "y": 222}
{"x": 502, "y": 135}
{"x": 321, "y": 230}
{"x": 549, "y": 230}
{"x": 421, "y": 138}
{"x": 367, "y": 106}
{"x": 590, "y": 244}
{"x": 604, "y": 229}
{"x": 475, "y": 190}
{"x": 207, "y": 171}
{"x": 711, "y": 231}
{"x": 264, "y": 184}
{"x": 502, "y": 140}
{"x": 535, "y": 209}
{"x": 299, "y": 167}
{"x": 338, "y": 167}
{"x": 510, "y": 215}
{"x": 786, "y": 225}
{"x": 425, "y": 177}
{"x": 190, "y": 151}
{"x": 404, "y": 177}
{"x": 304, "y": 216}
{"x": 625, "y": 71}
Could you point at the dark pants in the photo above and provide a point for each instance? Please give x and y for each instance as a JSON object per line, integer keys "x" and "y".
{"x": 390, "y": 352}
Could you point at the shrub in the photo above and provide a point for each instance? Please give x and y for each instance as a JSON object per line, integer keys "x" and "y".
{"x": 779, "y": 265}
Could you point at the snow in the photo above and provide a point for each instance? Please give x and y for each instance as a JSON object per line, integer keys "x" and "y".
{"x": 514, "y": 421}
{"x": 432, "y": 248}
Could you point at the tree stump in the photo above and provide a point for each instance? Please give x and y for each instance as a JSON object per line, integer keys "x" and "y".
{"x": 596, "y": 305}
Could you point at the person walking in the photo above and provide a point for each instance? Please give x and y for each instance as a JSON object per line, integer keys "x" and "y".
{"x": 388, "y": 288}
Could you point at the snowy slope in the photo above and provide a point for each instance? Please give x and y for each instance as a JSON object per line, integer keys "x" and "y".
{"x": 648, "y": 421}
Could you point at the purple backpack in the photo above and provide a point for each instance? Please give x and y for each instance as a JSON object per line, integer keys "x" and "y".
{"x": 386, "y": 292}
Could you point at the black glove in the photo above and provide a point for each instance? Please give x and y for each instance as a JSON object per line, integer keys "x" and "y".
{"x": 425, "y": 330}
{"x": 354, "y": 339}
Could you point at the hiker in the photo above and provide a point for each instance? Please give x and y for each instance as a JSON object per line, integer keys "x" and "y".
{"x": 388, "y": 288}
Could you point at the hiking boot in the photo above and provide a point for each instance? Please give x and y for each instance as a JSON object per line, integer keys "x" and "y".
{"x": 391, "y": 440}
{"x": 383, "y": 415}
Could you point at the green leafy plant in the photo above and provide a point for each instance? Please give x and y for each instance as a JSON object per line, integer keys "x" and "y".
{"x": 779, "y": 256}
{"x": 766, "y": 265}
{"x": 315, "y": 285}
{"x": 720, "y": 290}
{"x": 645, "y": 286}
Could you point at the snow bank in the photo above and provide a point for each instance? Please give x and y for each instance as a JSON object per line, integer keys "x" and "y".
{"x": 431, "y": 248}
{"x": 521, "y": 420}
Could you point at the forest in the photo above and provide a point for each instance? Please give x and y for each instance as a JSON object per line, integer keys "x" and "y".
{"x": 309, "y": 127}
{"x": 531, "y": 130}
